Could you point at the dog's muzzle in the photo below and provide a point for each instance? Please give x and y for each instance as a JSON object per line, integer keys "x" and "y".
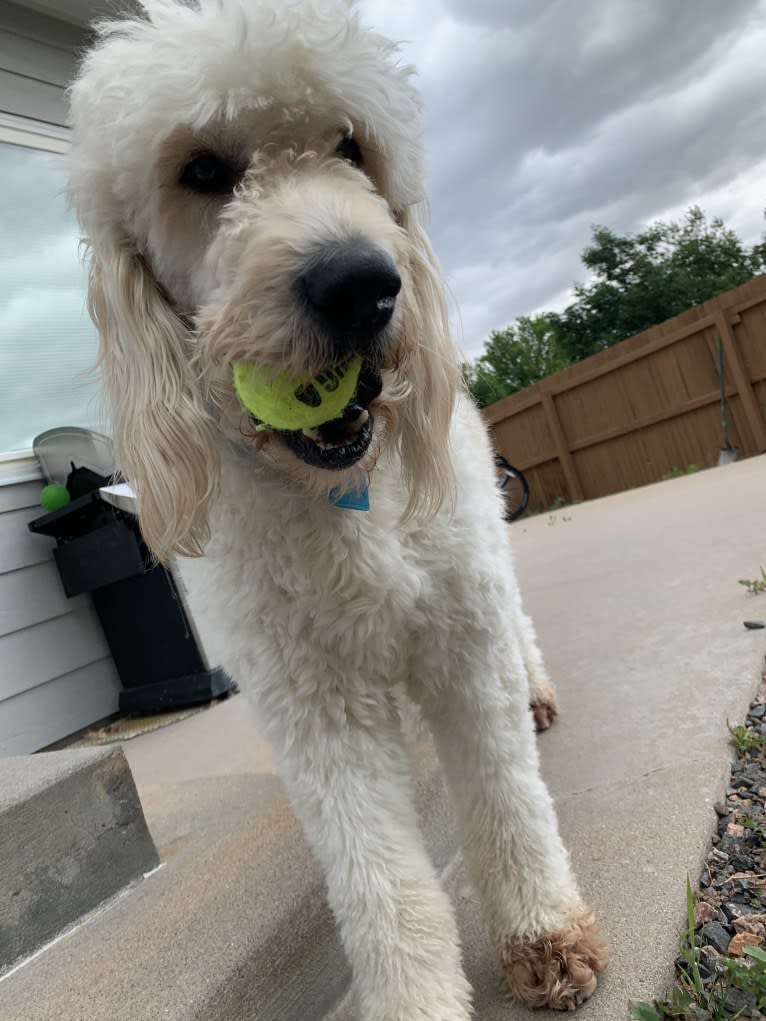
{"x": 350, "y": 291}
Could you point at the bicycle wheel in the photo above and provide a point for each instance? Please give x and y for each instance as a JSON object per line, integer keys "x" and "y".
{"x": 513, "y": 486}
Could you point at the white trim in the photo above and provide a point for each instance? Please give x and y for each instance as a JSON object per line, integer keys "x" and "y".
{"x": 19, "y": 466}
{"x": 33, "y": 134}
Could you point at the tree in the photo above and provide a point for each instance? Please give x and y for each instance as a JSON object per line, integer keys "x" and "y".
{"x": 638, "y": 281}
{"x": 642, "y": 279}
{"x": 514, "y": 358}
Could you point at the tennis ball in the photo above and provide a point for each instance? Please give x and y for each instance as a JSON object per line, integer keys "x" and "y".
{"x": 54, "y": 497}
{"x": 292, "y": 403}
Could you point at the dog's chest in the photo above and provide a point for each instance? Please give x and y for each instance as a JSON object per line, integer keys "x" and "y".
{"x": 311, "y": 587}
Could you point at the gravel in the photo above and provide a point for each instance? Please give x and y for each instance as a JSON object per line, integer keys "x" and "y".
{"x": 730, "y": 906}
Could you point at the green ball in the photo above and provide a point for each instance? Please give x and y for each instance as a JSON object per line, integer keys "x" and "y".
{"x": 292, "y": 403}
{"x": 54, "y": 497}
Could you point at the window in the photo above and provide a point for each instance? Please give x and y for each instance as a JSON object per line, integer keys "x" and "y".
{"x": 47, "y": 342}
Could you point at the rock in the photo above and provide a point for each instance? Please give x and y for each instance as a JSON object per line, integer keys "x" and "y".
{"x": 728, "y": 845}
{"x": 719, "y": 808}
{"x": 734, "y": 909}
{"x": 757, "y": 711}
{"x": 734, "y": 829}
{"x": 760, "y": 695}
{"x": 737, "y": 1001}
{"x": 710, "y": 957}
{"x": 716, "y": 936}
{"x": 683, "y": 965}
{"x": 741, "y": 863}
{"x": 751, "y": 923}
{"x": 754, "y": 625}
{"x": 740, "y": 941}
{"x": 743, "y": 877}
{"x": 696, "y": 1013}
{"x": 704, "y": 913}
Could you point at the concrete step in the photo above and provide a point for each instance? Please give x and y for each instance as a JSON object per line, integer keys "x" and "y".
{"x": 72, "y": 834}
{"x": 233, "y": 926}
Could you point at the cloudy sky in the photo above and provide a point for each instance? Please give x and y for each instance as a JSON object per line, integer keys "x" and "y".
{"x": 47, "y": 344}
{"x": 543, "y": 117}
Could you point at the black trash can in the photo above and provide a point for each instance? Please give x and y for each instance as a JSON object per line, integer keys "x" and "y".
{"x": 99, "y": 550}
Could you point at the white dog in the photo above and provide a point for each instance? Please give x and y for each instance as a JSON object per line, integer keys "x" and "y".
{"x": 247, "y": 176}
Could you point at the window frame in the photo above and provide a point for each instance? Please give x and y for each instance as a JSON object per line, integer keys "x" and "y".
{"x": 21, "y": 465}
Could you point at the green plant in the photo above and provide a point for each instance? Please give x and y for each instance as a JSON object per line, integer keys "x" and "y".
{"x": 755, "y": 585}
{"x": 690, "y": 989}
{"x": 677, "y": 473}
{"x": 691, "y": 999}
{"x": 756, "y": 825}
{"x": 746, "y": 741}
{"x": 749, "y": 976}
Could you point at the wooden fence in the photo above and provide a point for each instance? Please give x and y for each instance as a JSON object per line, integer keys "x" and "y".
{"x": 632, "y": 414}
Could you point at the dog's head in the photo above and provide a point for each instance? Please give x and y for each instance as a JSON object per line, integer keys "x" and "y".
{"x": 246, "y": 174}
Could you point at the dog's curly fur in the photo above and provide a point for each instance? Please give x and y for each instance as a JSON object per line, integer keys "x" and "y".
{"x": 309, "y": 127}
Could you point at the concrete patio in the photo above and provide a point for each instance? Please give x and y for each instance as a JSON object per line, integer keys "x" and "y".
{"x": 640, "y": 618}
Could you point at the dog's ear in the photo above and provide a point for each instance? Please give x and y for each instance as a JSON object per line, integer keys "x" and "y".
{"x": 163, "y": 435}
{"x": 433, "y": 373}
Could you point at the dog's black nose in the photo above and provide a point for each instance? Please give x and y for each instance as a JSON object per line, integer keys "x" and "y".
{"x": 352, "y": 289}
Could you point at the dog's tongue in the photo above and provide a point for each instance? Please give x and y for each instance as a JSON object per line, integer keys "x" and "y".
{"x": 341, "y": 430}
{"x": 345, "y": 428}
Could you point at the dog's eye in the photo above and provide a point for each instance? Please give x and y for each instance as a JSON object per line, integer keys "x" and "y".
{"x": 208, "y": 174}
{"x": 348, "y": 149}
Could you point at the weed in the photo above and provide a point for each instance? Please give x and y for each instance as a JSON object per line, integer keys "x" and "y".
{"x": 677, "y": 473}
{"x": 755, "y": 586}
{"x": 691, "y": 998}
{"x": 756, "y": 825}
{"x": 746, "y": 741}
{"x": 749, "y": 976}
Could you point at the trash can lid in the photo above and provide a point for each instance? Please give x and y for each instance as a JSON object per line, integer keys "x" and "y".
{"x": 56, "y": 449}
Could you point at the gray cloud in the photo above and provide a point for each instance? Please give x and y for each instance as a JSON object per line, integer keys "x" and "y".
{"x": 545, "y": 117}
{"x": 47, "y": 343}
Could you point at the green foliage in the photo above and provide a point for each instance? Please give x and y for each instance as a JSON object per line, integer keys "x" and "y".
{"x": 749, "y": 976}
{"x": 692, "y": 998}
{"x": 755, "y": 586}
{"x": 514, "y": 358}
{"x": 637, "y": 281}
{"x": 754, "y": 824}
{"x": 677, "y": 473}
{"x": 746, "y": 741}
{"x": 642, "y": 279}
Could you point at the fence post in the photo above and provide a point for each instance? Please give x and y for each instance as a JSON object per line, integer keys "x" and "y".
{"x": 741, "y": 380}
{"x": 562, "y": 447}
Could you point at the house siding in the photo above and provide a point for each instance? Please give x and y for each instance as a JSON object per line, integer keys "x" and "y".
{"x": 56, "y": 673}
{"x": 38, "y": 56}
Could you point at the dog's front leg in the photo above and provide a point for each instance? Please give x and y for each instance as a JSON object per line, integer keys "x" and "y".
{"x": 545, "y": 935}
{"x": 342, "y": 759}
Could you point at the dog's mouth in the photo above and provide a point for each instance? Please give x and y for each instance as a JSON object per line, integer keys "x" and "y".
{"x": 344, "y": 440}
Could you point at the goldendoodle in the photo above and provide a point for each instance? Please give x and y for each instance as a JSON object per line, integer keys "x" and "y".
{"x": 248, "y": 175}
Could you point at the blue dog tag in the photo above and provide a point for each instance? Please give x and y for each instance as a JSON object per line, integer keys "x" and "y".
{"x": 354, "y": 499}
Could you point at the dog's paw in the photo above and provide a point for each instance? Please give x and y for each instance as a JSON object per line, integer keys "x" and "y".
{"x": 558, "y": 969}
{"x": 544, "y": 705}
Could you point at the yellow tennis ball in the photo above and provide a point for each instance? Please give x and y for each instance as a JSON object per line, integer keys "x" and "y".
{"x": 289, "y": 402}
